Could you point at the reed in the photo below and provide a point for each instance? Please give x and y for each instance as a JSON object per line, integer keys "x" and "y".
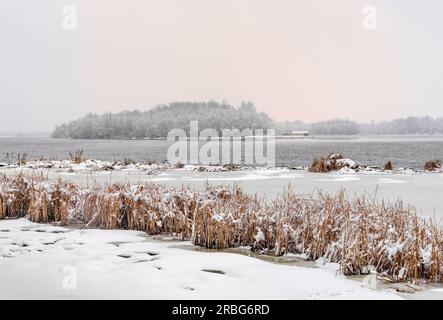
{"x": 388, "y": 166}
{"x": 78, "y": 156}
{"x": 327, "y": 164}
{"x": 14, "y": 195}
{"x": 433, "y": 165}
{"x": 359, "y": 233}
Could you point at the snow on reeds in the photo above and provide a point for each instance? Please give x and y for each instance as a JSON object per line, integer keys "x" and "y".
{"x": 334, "y": 162}
{"x": 433, "y": 165}
{"x": 14, "y": 196}
{"x": 360, "y": 234}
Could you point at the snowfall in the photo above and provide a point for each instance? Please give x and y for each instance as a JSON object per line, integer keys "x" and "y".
{"x": 40, "y": 261}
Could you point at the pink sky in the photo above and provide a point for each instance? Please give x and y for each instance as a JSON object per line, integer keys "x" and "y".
{"x": 308, "y": 60}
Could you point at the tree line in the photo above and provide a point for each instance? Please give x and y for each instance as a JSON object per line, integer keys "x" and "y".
{"x": 404, "y": 126}
{"x": 157, "y": 122}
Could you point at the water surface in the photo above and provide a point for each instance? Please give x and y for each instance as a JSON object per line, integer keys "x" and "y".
{"x": 403, "y": 151}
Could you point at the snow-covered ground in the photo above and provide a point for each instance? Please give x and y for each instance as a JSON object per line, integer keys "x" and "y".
{"x": 47, "y": 262}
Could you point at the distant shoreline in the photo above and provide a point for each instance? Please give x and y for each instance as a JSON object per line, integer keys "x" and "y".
{"x": 278, "y": 137}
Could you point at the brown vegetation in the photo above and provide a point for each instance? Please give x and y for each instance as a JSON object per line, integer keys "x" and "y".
{"x": 22, "y": 159}
{"x": 388, "y": 166}
{"x": 77, "y": 157}
{"x": 328, "y": 164}
{"x": 433, "y": 165}
{"x": 318, "y": 165}
{"x": 179, "y": 165}
{"x": 359, "y": 233}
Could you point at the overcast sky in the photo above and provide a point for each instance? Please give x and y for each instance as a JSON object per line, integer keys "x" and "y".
{"x": 310, "y": 60}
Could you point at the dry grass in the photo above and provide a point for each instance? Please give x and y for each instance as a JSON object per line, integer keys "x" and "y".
{"x": 358, "y": 233}
{"x": 327, "y": 164}
{"x": 14, "y": 196}
{"x": 318, "y": 165}
{"x": 128, "y": 161}
{"x": 77, "y": 156}
{"x": 179, "y": 165}
{"x": 51, "y": 203}
{"x": 223, "y": 218}
{"x": 361, "y": 235}
{"x": 432, "y": 165}
{"x": 231, "y": 167}
{"x": 22, "y": 159}
{"x": 388, "y": 166}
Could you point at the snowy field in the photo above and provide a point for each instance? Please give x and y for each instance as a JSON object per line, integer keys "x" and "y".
{"x": 39, "y": 262}
{"x": 36, "y": 260}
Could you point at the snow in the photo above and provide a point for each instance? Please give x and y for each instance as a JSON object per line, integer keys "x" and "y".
{"x": 346, "y": 178}
{"x": 91, "y": 165}
{"x": 394, "y": 181}
{"x": 260, "y": 236}
{"x": 252, "y": 176}
{"x": 347, "y": 166}
{"x": 37, "y": 260}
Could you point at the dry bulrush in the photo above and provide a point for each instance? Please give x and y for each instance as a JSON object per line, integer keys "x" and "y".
{"x": 222, "y": 218}
{"x": 433, "y": 165}
{"x": 318, "y": 165}
{"x": 51, "y": 202}
{"x": 333, "y": 162}
{"x": 14, "y": 196}
{"x": 151, "y": 208}
{"x": 359, "y": 233}
{"x": 388, "y": 166}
